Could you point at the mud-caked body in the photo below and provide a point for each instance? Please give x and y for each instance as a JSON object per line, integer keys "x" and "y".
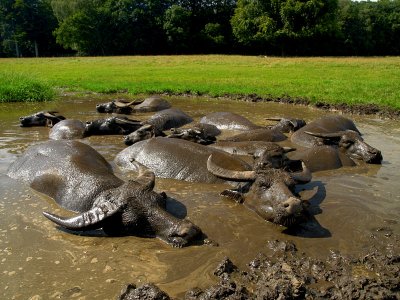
{"x": 78, "y": 178}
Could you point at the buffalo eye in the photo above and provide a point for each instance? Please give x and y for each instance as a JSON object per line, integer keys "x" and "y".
{"x": 346, "y": 142}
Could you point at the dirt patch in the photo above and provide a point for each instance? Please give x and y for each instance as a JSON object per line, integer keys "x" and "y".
{"x": 283, "y": 272}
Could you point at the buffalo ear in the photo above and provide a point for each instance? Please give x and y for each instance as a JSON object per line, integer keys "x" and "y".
{"x": 145, "y": 176}
{"x": 147, "y": 179}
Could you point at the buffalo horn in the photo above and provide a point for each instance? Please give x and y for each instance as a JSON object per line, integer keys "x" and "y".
{"x": 304, "y": 176}
{"x": 326, "y": 135}
{"x": 146, "y": 127}
{"x": 121, "y": 104}
{"x": 288, "y": 149}
{"x": 127, "y": 121}
{"x": 87, "y": 220}
{"x": 229, "y": 174}
{"x": 274, "y": 119}
{"x": 50, "y": 114}
{"x": 175, "y": 135}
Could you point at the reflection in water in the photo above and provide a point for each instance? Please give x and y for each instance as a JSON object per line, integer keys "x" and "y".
{"x": 38, "y": 259}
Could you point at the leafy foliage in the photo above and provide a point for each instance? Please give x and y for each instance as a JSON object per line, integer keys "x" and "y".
{"x": 277, "y": 27}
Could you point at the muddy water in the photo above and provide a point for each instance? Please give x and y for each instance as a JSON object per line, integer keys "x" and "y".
{"x": 39, "y": 261}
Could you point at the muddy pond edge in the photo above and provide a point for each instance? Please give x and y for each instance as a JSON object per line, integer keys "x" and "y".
{"x": 355, "y": 109}
{"x": 383, "y": 112}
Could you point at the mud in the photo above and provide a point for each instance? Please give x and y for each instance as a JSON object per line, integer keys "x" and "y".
{"x": 349, "y": 205}
{"x": 284, "y": 272}
{"x": 357, "y": 109}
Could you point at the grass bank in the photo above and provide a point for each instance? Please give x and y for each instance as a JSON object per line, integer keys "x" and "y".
{"x": 15, "y": 87}
{"x": 352, "y": 81}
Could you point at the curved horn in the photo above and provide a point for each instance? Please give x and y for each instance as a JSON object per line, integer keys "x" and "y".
{"x": 127, "y": 121}
{"x": 146, "y": 127}
{"x": 326, "y": 135}
{"x": 87, "y": 220}
{"x": 175, "y": 135}
{"x": 303, "y": 176}
{"x": 288, "y": 149}
{"x": 50, "y": 114}
{"x": 229, "y": 174}
{"x": 121, "y": 104}
{"x": 274, "y": 119}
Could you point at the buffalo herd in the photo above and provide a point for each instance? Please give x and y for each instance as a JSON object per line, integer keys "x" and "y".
{"x": 222, "y": 147}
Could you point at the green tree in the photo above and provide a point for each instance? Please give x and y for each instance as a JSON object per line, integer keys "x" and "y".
{"x": 370, "y": 28}
{"x": 294, "y": 27}
{"x": 26, "y": 27}
{"x": 177, "y": 28}
{"x": 112, "y": 27}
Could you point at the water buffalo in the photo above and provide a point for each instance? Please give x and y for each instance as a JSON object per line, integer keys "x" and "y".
{"x": 200, "y": 133}
{"x": 252, "y": 132}
{"x": 287, "y": 125}
{"x": 228, "y": 121}
{"x": 112, "y": 125}
{"x": 78, "y": 178}
{"x": 152, "y": 104}
{"x": 259, "y": 134}
{"x": 266, "y": 189}
{"x": 42, "y": 118}
{"x": 156, "y": 124}
{"x": 332, "y": 142}
{"x": 68, "y": 130}
{"x": 117, "y": 106}
{"x": 254, "y": 148}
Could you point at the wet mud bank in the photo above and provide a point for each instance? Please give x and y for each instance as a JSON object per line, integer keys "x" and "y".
{"x": 283, "y": 271}
{"x": 356, "y": 109}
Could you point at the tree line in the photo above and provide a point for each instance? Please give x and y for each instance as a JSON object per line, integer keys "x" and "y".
{"x": 149, "y": 27}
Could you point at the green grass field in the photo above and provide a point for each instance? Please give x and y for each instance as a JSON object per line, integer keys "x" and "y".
{"x": 330, "y": 80}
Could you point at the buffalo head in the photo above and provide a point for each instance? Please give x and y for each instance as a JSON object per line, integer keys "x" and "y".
{"x": 195, "y": 135}
{"x": 42, "y": 118}
{"x": 113, "y": 125}
{"x": 145, "y": 132}
{"x": 132, "y": 209}
{"x": 287, "y": 125}
{"x": 351, "y": 143}
{"x": 269, "y": 190}
{"x": 117, "y": 106}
